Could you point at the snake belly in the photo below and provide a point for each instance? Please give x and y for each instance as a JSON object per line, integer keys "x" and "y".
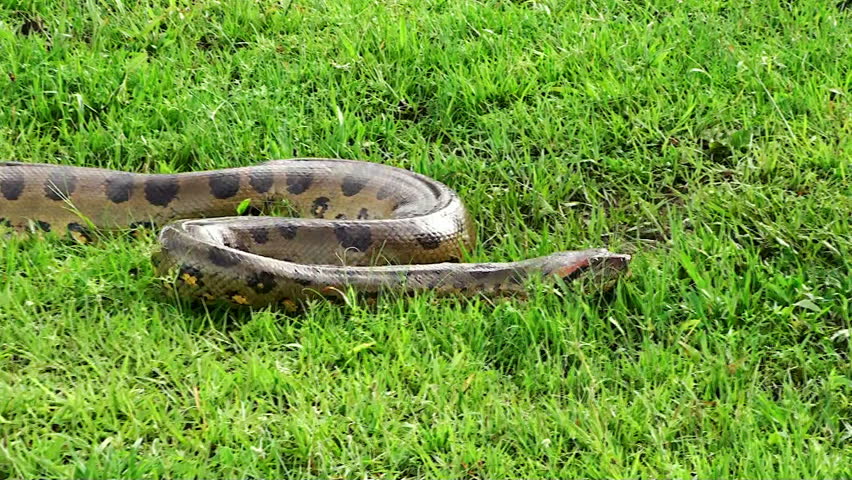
{"x": 362, "y": 226}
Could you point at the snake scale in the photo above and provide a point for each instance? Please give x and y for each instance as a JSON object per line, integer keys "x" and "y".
{"x": 360, "y": 225}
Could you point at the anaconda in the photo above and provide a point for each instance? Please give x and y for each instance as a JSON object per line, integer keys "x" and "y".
{"x": 362, "y": 226}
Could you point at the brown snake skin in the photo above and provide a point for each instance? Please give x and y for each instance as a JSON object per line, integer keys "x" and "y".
{"x": 361, "y": 225}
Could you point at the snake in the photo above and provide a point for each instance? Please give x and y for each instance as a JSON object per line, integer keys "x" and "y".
{"x": 352, "y": 226}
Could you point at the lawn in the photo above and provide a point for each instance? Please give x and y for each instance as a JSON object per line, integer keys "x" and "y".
{"x": 710, "y": 139}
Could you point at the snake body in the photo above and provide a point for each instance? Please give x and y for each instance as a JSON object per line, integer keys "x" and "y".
{"x": 360, "y": 226}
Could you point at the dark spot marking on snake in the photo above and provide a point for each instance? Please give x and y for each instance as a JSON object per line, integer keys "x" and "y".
{"x": 190, "y": 276}
{"x": 363, "y": 214}
{"x": 223, "y": 258}
{"x": 262, "y": 282}
{"x": 429, "y": 241}
{"x": 453, "y": 259}
{"x": 42, "y": 225}
{"x": 85, "y": 236}
{"x": 119, "y": 187}
{"x": 384, "y": 192}
{"x": 161, "y": 190}
{"x": 224, "y": 185}
{"x": 259, "y": 235}
{"x": 298, "y": 183}
{"x": 288, "y": 231}
{"x": 340, "y": 216}
{"x": 59, "y": 185}
{"x": 358, "y": 237}
{"x": 261, "y": 182}
{"x": 351, "y": 185}
{"x": 12, "y": 185}
{"x": 319, "y": 207}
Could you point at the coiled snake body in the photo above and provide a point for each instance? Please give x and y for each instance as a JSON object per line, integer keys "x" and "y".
{"x": 361, "y": 225}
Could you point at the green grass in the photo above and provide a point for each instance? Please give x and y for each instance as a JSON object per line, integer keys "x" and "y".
{"x": 711, "y": 139}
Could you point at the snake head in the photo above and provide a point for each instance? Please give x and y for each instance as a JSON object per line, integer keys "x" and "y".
{"x": 598, "y": 265}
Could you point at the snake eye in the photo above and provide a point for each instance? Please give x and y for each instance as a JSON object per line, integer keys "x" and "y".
{"x": 42, "y": 225}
